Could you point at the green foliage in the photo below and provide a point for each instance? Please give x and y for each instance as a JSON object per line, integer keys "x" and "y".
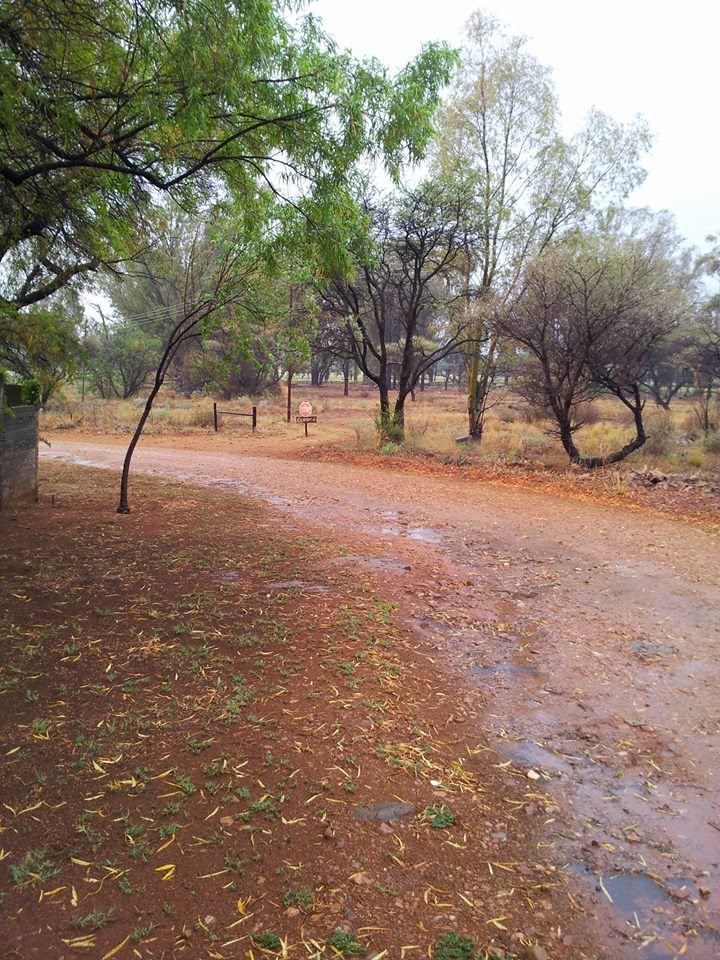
{"x": 439, "y": 816}
{"x": 345, "y": 943}
{"x": 122, "y": 102}
{"x": 451, "y": 946}
{"x": 711, "y": 442}
{"x": 267, "y": 940}
{"x": 42, "y": 342}
{"x": 95, "y": 920}
{"x": 390, "y": 431}
{"x": 32, "y": 392}
{"x": 121, "y": 358}
{"x": 34, "y": 866}
{"x": 299, "y": 898}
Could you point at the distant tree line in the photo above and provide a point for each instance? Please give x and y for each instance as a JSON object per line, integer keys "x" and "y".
{"x": 198, "y": 170}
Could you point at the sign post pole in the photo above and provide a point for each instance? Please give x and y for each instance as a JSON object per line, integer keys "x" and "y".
{"x": 305, "y": 415}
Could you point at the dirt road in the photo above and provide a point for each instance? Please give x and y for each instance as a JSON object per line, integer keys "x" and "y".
{"x": 591, "y": 634}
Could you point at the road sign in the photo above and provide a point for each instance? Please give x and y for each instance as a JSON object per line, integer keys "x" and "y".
{"x": 305, "y": 410}
{"x": 306, "y": 421}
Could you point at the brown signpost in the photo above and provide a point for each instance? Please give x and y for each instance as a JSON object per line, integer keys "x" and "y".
{"x": 305, "y": 415}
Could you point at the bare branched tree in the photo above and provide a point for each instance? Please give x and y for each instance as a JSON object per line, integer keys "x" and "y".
{"x": 216, "y": 278}
{"x": 398, "y": 308}
{"x": 591, "y": 316}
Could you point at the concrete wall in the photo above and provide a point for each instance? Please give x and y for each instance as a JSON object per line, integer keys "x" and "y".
{"x": 18, "y": 457}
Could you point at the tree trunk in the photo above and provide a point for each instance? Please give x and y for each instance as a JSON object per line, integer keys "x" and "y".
{"x": 346, "y": 378}
{"x": 592, "y": 463}
{"x": 124, "y": 506}
{"x": 480, "y": 377}
{"x": 289, "y": 395}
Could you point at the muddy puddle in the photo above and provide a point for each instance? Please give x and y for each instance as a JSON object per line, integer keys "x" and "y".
{"x": 642, "y": 846}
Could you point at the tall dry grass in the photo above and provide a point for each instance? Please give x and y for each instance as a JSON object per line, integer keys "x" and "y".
{"x": 514, "y": 432}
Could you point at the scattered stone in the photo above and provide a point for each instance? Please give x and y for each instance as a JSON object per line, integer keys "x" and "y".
{"x": 292, "y": 912}
{"x": 533, "y": 775}
{"x": 227, "y": 821}
{"x": 386, "y": 828}
{"x": 536, "y": 952}
{"x": 187, "y": 931}
{"x": 385, "y": 812}
{"x": 210, "y": 921}
{"x": 704, "y": 891}
{"x": 329, "y": 833}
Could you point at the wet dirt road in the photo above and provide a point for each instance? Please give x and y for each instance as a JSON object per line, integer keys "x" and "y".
{"x": 591, "y": 635}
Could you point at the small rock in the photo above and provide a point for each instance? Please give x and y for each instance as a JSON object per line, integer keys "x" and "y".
{"x": 536, "y": 952}
{"x": 704, "y": 891}
{"x": 187, "y": 931}
{"x": 292, "y": 912}
{"x": 385, "y": 812}
{"x": 532, "y": 775}
{"x": 329, "y": 833}
{"x": 386, "y": 828}
{"x": 210, "y": 921}
{"x": 227, "y": 821}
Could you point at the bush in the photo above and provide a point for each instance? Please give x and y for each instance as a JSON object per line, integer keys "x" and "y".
{"x": 388, "y": 429}
{"x": 451, "y": 946}
{"x": 660, "y": 431}
{"x": 711, "y": 443}
{"x": 32, "y": 392}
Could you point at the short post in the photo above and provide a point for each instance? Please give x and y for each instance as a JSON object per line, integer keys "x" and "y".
{"x": 306, "y": 423}
{"x": 254, "y": 419}
{"x": 215, "y": 417}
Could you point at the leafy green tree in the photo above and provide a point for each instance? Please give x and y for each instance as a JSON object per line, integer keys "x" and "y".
{"x": 122, "y": 356}
{"x": 499, "y": 134}
{"x": 44, "y": 342}
{"x": 107, "y": 106}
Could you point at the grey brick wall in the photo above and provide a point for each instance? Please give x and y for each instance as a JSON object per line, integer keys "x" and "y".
{"x": 18, "y": 457}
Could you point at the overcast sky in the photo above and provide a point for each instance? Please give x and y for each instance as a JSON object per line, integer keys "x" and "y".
{"x": 651, "y": 57}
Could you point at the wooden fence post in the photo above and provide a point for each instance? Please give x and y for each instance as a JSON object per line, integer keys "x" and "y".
{"x": 215, "y": 418}
{"x": 254, "y": 419}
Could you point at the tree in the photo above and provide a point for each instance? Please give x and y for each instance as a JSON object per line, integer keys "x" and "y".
{"x": 106, "y": 107}
{"x": 499, "y": 134}
{"x": 44, "y": 343}
{"x": 398, "y": 305}
{"x": 221, "y": 271}
{"x": 591, "y": 313}
{"x": 705, "y": 350}
{"x": 669, "y": 366}
{"x": 122, "y": 356}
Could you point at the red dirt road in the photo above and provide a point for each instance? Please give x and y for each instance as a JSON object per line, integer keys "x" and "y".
{"x": 590, "y": 631}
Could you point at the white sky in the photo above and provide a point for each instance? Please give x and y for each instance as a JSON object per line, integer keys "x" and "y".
{"x": 652, "y": 57}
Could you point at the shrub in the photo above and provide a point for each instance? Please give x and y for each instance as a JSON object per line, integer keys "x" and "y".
{"x": 695, "y": 458}
{"x": 387, "y": 428}
{"x": 451, "y": 946}
{"x": 711, "y": 443}
{"x": 32, "y": 392}
{"x": 439, "y": 816}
